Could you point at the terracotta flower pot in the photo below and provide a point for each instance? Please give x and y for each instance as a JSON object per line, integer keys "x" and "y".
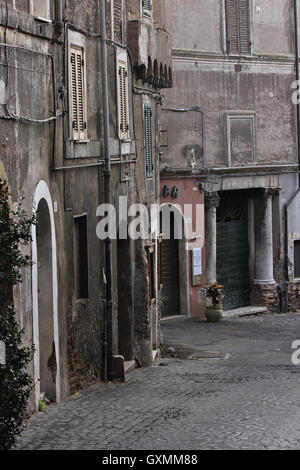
{"x": 213, "y": 314}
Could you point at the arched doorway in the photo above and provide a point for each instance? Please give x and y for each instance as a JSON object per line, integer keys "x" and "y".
{"x": 48, "y": 365}
{"x": 125, "y": 299}
{"x": 174, "y": 262}
{"x": 44, "y": 298}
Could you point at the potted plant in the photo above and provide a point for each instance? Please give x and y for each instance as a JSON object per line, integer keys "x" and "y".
{"x": 214, "y": 292}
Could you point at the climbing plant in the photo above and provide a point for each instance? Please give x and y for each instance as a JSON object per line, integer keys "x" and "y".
{"x": 15, "y": 382}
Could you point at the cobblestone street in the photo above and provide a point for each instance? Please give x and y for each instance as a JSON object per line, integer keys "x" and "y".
{"x": 248, "y": 400}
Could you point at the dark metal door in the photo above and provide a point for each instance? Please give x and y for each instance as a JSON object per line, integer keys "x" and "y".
{"x": 233, "y": 251}
{"x": 170, "y": 275}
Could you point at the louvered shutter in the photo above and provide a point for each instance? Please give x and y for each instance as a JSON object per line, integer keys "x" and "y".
{"x": 148, "y": 140}
{"x": 147, "y": 8}
{"x": 78, "y": 94}
{"x": 123, "y": 100}
{"x": 244, "y": 26}
{"x": 232, "y": 26}
{"x": 238, "y": 26}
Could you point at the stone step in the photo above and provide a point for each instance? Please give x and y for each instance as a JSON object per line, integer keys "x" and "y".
{"x": 129, "y": 366}
{"x": 240, "y": 312}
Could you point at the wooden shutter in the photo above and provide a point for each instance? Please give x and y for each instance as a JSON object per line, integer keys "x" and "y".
{"x": 238, "y": 26}
{"x": 123, "y": 100}
{"x": 148, "y": 140}
{"x": 147, "y": 8}
{"x": 78, "y": 94}
{"x": 244, "y": 22}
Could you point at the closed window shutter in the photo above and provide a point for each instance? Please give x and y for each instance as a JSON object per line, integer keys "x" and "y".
{"x": 238, "y": 26}
{"x": 123, "y": 100}
{"x": 232, "y": 26}
{"x": 147, "y": 8}
{"x": 244, "y": 27}
{"x": 77, "y": 92}
{"x": 148, "y": 140}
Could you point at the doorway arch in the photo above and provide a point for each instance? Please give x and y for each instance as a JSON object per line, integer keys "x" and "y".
{"x": 175, "y": 252}
{"x": 125, "y": 298}
{"x": 45, "y": 297}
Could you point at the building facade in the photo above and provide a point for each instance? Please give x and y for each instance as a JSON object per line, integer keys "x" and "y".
{"x": 80, "y": 103}
{"x": 231, "y": 124}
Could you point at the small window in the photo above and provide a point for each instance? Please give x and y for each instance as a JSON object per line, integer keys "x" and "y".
{"x": 81, "y": 257}
{"x": 297, "y": 259}
{"x": 41, "y": 9}
{"x": 77, "y": 84}
{"x": 148, "y": 140}
{"x": 238, "y": 26}
{"x": 147, "y": 8}
{"x": 151, "y": 271}
{"x": 123, "y": 100}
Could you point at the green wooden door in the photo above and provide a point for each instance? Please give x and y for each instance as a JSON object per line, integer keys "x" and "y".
{"x": 233, "y": 251}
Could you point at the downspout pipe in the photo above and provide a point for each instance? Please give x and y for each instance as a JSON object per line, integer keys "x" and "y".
{"x": 58, "y": 16}
{"x": 295, "y": 194}
{"x": 107, "y": 323}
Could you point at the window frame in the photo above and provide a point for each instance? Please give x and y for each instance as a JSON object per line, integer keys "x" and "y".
{"x": 81, "y": 254}
{"x": 237, "y": 115}
{"x": 47, "y": 18}
{"x": 149, "y": 174}
{"x": 82, "y": 136}
{"x": 147, "y": 12}
{"x": 122, "y": 64}
{"x": 226, "y": 46}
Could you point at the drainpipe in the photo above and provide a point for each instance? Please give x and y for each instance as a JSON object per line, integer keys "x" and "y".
{"x": 107, "y": 327}
{"x": 58, "y": 16}
{"x": 291, "y": 199}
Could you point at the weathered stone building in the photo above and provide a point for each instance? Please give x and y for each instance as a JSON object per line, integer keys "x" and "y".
{"x": 232, "y": 126}
{"x": 74, "y": 136}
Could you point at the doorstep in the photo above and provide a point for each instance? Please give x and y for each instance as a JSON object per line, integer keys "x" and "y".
{"x": 129, "y": 366}
{"x": 240, "y": 312}
{"x": 173, "y": 317}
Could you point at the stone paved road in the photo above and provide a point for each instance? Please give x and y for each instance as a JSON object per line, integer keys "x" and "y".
{"x": 251, "y": 400}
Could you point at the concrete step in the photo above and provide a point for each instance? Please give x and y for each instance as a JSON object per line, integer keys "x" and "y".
{"x": 240, "y": 312}
{"x": 173, "y": 317}
{"x": 129, "y": 366}
{"x": 155, "y": 355}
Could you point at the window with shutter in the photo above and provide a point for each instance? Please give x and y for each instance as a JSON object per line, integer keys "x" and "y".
{"x": 41, "y": 9}
{"x": 123, "y": 100}
{"x": 78, "y": 94}
{"x": 148, "y": 140}
{"x": 147, "y": 8}
{"x": 238, "y": 26}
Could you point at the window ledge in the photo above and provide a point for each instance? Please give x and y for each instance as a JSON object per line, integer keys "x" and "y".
{"x": 42, "y": 20}
{"x": 80, "y": 141}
